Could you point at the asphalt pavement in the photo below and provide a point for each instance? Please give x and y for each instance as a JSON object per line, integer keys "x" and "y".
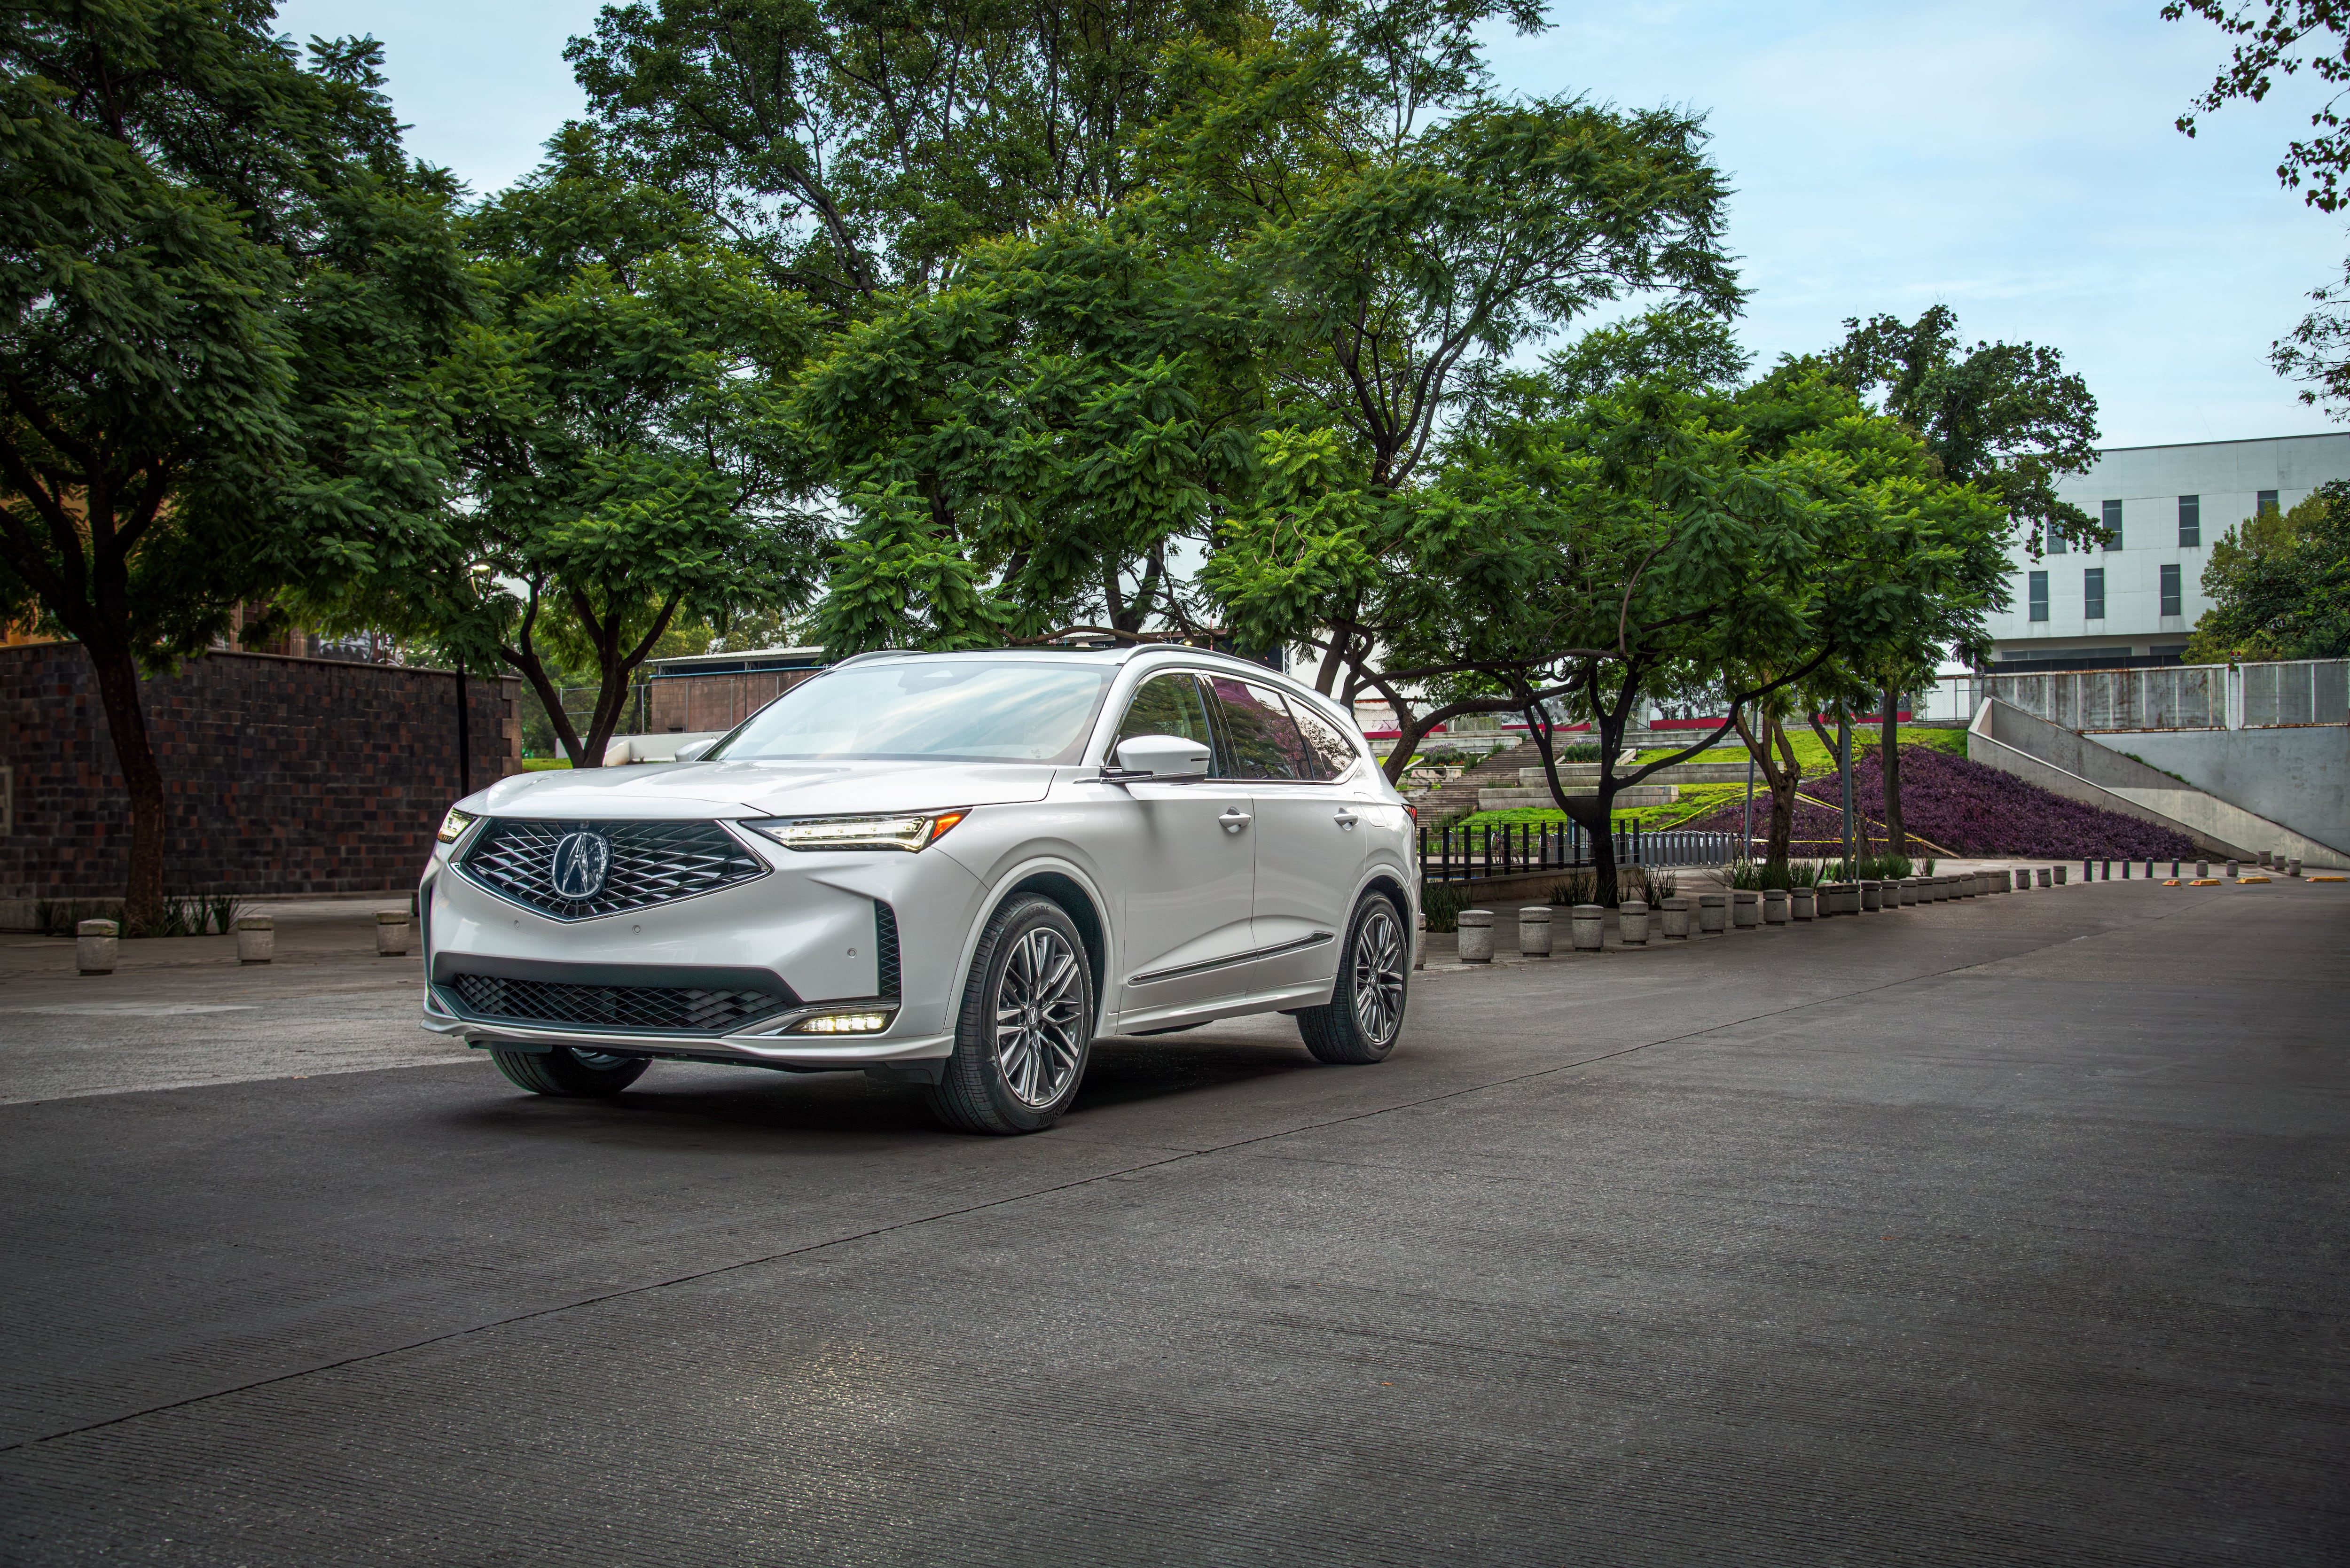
{"x": 2003, "y": 1231}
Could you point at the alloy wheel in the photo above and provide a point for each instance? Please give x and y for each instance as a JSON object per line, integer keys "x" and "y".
{"x": 1039, "y": 1014}
{"x": 1378, "y": 975}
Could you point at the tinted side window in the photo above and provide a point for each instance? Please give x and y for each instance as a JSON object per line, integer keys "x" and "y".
{"x": 1165, "y": 705}
{"x": 1265, "y": 743}
{"x": 1331, "y": 752}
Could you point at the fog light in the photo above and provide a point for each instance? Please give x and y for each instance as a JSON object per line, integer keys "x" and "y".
{"x": 843, "y": 1023}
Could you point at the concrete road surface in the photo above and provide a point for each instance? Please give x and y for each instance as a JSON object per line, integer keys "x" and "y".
{"x": 2003, "y": 1231}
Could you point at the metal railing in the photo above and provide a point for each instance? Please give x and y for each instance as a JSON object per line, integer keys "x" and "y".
{"x": 1516, "y": 848}
{"x": 2263, "y": 696}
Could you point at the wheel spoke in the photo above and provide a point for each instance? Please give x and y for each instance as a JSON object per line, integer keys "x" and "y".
{"x": 1039, "y": 1014}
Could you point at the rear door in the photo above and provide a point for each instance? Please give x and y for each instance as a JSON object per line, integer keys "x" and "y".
{"x": 1308, "y": 842}
{"x": 1180, "y": 860}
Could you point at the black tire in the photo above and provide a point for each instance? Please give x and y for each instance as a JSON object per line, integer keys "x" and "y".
{"x": 571, "y": 1075}
{"x": 1365, "y": 1014}
{"x": 1025, "y": 1027}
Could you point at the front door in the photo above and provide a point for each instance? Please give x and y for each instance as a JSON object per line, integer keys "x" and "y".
{"x": 1182, "y": 857}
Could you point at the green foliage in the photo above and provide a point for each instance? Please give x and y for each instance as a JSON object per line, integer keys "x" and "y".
{"x": 856, "y": 150}
{"x": 2279, "y": 586}
{"x": 1442, "y": 902}
{"x": 2007, "y": 416}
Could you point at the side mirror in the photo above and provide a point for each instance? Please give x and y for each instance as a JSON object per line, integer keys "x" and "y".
{"x": 1161, "y": 758}
{"x": 692, "y": 750}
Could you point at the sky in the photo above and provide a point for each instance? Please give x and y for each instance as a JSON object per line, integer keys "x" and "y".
{"x": 2014, "y": 162}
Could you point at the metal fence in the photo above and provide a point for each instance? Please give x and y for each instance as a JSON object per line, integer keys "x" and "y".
{"x": 1514, "y": 848}
{"x": 2177, "y": 696}
{"x": 2269, "y": 695}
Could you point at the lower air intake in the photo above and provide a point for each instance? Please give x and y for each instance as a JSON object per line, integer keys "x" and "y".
{"x": 642, "y": 1008}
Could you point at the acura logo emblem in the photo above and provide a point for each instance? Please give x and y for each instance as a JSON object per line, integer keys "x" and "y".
{"x": 582, "y": 861}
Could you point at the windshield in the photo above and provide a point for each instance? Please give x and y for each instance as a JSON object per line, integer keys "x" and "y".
{"x": 946, "y": 710}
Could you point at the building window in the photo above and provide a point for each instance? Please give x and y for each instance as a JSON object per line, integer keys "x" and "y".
{"x": 2039, "y": 596}
{"x": 2055, "y": 541}
{"x": 2170, "y": 591}
{"x": 2266, "y": 504}
{"x": 2093, "y": 594}
{"x": 2190, "y": 520}
{"x": 2113, "y": 524}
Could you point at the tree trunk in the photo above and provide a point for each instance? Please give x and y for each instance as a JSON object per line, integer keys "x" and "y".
{"x": 126, "y": 725}
{"x": 1889, "y": 762}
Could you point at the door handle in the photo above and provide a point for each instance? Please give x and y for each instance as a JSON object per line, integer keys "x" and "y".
{"x": 1346, "y": 819}
{"x": 1234, "y": 819}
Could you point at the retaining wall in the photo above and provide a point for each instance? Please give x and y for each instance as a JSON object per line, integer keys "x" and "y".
{"x": 280, "y": 775}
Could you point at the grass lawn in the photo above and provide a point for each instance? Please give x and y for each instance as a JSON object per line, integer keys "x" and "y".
{"x": 541, "y": 764}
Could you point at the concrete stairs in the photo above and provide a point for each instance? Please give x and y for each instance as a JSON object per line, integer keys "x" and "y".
{"x": 1460, "y": 796}
{"x": 2067, "y": 763}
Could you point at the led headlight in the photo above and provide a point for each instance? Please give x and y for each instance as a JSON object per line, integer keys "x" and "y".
{"x": 910, "y": 832}
{"x": 454, "y": 826}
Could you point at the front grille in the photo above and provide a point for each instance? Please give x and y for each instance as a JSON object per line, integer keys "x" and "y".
{"x": 885, "y": 945}
{"x": 668, "y": 1009}
{"x": 651, "y": 863}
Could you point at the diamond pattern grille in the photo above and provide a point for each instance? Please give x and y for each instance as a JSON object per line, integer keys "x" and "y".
{"x": 885, "y": 934}
{"x": 652, "y": 863}
{"x": 669, "y": 1009}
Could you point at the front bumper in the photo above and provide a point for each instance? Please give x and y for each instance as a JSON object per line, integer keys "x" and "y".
{"x": 811, "y": 932}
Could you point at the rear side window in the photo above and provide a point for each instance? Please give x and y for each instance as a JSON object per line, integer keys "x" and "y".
{"x": 1265, "y": 743}
{"x": 1167, "y": 705}
{"x": 1331, "y": 752}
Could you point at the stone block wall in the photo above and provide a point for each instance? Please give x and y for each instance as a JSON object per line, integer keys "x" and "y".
{"x": 283, "y": 775}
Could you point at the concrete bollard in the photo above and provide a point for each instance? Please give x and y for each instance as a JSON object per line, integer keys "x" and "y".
{"x": 1844, "y": 899}
{"x": 1745, "y": 908}
{"x": 1803, "y": 903}
{"x": 1872, "y": 895}
{"x": 1534, "y": 930}
{"x": 391, "y": 933}
{"x": 1908, "y": 891}
{"x": 2202, "y": 868}
{"x": 1632, "y": 922}
{"x": 2061, "y": 872}
{"x": 2047, "y": 878}
{"x": 2264, "y": 859}
{"x": 1712, "y": 911}
{"x": 2293, "y": 867}
{"x": 1774, "y": 905}
{"x": 1677, "y": 913}
{"x": 1476, "y": 936}
{"x": 95, "y": 943}
{"x": 1587, "y": 927}
{"x": 256, "y": 939}
{"x": 2231, "y": 868}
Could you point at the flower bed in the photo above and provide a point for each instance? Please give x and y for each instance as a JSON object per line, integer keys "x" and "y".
{"x": 1964, "y": 808}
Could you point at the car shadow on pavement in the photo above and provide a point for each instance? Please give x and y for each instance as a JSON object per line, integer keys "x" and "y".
{"x": 688, "y": 1104}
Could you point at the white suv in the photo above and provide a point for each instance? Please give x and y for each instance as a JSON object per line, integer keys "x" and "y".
{"x": 949, "y": 868}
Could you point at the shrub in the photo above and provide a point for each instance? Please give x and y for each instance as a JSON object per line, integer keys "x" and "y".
{"x": 1442, "y": 902}
{"x": 1966, "y": 809}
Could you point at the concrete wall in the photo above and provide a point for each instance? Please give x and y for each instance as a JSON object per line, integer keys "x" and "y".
{"x": 2078, "y": 767}
{"x": 2299, "y": 777}
{"x": 282, "y": 775}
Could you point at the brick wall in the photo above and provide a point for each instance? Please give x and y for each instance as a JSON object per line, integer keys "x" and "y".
{"x": 283, "y": 775}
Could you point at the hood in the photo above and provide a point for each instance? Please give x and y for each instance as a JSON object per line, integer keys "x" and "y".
{"x": 755, "y": 788}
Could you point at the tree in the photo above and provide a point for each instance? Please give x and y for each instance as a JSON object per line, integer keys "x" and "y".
{"x": 1412, "y": 233}
{"x": 2294, "y": 35}
{"x": 1023, "y": 449}
{"x": 2280, "y": 585}
{"x": 2007, "y": 418}
{"x": 193, "y": 227}
{"x": 860, "y": 148}
{"x": 624, "y": 457}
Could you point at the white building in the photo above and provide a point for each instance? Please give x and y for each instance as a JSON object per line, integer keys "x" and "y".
{"x": 2134, "y": 602}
